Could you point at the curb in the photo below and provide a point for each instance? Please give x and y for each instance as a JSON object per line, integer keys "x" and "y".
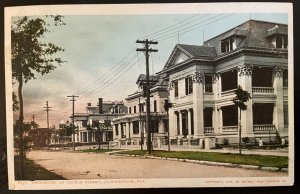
{"x": 203, "y": 162}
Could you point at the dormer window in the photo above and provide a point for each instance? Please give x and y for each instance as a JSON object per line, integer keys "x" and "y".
{"x": 281, "y": 42}
{"x": 227, "y": 45}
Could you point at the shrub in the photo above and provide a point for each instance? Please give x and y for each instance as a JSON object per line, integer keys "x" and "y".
{"x": 225, "y": 142}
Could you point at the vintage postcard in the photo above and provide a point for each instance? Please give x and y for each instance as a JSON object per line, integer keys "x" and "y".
{"x": 149, "y": 95}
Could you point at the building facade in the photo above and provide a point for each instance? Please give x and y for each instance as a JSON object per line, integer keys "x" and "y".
{"x": 95, "y": 125}
{"x": 202, "y": 82}
{"x": 130, "y": 128}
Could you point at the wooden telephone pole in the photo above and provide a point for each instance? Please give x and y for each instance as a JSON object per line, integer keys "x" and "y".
{"x": 73, "y": 126}
{"x": 147, "y": 50}
{"x": 47, "y": 110}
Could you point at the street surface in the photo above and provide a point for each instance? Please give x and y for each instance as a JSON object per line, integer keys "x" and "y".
{"x": 99, "y": 166}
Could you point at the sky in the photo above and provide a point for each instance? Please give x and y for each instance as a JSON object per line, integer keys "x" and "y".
{"x": 101, "y": 58}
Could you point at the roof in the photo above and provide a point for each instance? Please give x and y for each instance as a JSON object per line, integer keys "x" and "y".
{"x": 254, "y": 34}
{"x": 152, "y": 78}
{"x": 197, "y": 51}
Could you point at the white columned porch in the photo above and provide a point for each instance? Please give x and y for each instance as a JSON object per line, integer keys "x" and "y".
{"x": 278, "y": 118}
{"x": 245, "y": 81}
{"x": 198, "y": 79}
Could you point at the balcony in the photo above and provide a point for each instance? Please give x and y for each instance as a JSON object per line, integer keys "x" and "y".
{"x": 230, "y": 129}
{"x": 208, "y": 130}
{"x": 263, "y": 90}
{"x": 266, "y": 128}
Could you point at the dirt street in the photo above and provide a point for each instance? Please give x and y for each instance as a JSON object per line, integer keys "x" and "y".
{"x": 99, "y": 166}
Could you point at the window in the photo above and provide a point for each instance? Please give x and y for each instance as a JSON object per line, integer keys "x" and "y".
{"x": 135, "y": 127}
{"x": 141, "y": 107}
{"x": 117, "y": 129}
{"x": 285, "y": 78}
{"x": 84, "y": 123}
{"x": 230, "y": 115}
{"x": 192, "y": 121}
{"x": 122, "y": 130}
{"x": 208, "y": 117}
{"x": 286, "y": 114}
{"x": 134, "y": 109}
{"x": 188, "y": 85}
{"x": 155, "y": 106}
{"x": 263, "y": 113}
{"x": 281, "y": 42}
{"x": 262, "y": 77}
{"x": 227, "y": 45}
{"x": 208, "y": 83}
{"x": 176, "y": 88}
{"x": 129, "y": 110}
{"x": 229, "y": 80}
{"x": 184, "y": 116}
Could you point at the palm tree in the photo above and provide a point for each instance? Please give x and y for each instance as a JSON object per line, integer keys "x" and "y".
{"x": 239, "y": 100}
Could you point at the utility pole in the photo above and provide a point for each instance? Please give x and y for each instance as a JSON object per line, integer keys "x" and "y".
{"x": 73, "y": 126}
{"x": 147, "y": 50}
{"x": 140, "y": 124}
{"x": 47, "y": 110}
{"x": 33, "y": 118}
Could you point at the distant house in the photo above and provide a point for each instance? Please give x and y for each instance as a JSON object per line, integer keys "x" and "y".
{"x": 61, "y": 136}
{"x": 96, "y": 124}
{"x": 130, "y": 128}
{"x": 41, "y": 136}
{"x": 202, "y": 81}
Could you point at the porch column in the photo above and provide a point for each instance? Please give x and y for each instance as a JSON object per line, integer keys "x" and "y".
{"x": 180, "y": 123}
{"x": 215, "y": 119}
{"x": 127, "y": 129}
{"x": 245, "y": 81}
{"x": 189, "y": 120}
{"x": 87, "y": 136}
{"x": 278, "y": 118}
{"x": 198, "y": 103}
{"x": 220, "y": 121}
{"x": 79, "y": 135}
{"x": 172, "y": 122}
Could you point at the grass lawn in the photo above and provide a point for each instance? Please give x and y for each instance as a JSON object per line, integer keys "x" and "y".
{"x": 258, "y": 160}
{"x": 34, "y": 171}
{"x": 98, "y": 151}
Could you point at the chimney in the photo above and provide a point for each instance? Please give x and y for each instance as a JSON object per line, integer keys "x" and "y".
{"x": 100, "y": 105}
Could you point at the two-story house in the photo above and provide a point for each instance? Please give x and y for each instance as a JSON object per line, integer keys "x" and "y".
{"x": 96, "y": 123}
{"x": 130, "y": 128}
{"x": 202, "y": 81}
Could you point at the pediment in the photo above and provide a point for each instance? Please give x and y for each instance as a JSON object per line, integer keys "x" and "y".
{"x": 177, "y": 57}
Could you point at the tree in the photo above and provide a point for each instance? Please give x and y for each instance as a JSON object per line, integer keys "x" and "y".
{"x": 239, "y": 100}
{"x": 31, "y": 54}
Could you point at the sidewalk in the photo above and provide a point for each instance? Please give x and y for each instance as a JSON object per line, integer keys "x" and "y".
{"x": 275, "y": 152}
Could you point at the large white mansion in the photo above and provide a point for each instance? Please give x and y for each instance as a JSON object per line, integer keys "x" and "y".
{"x": 200, "y": 82}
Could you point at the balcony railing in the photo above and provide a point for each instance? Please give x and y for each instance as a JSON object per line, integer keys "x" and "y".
{"x": 208, "y": 130}
{"x": 265, "y": 90}
{"x": 264, "y": 128}
{"x": 230, "y": 129}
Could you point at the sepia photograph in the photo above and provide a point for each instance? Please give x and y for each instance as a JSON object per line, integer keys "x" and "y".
{"x": 149, "y": 95}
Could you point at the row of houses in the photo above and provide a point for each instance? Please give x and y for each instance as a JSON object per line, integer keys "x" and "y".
{"x": 200, "y": 82}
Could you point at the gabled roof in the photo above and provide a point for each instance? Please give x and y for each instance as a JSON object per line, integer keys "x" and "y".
{"x": 192, "y": 51}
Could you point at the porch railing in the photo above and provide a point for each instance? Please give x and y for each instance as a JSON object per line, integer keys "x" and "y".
{"x": 208, "y": 130}
{"x": 266, "y": 90}
{"x": 264, "y": 128}
{"x": 230, "y": 129}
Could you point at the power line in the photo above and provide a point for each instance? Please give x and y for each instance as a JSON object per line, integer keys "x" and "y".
{"x": 190, "y": 29}
{"x": 165, "y": 28}
{"x": 177, "y": 28}
{"x": 113, "y": 80}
